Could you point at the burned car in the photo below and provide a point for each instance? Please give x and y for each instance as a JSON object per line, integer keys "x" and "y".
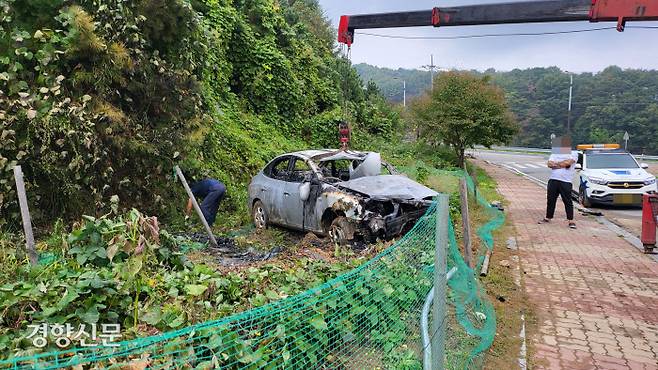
{"x": 346, "y": 195}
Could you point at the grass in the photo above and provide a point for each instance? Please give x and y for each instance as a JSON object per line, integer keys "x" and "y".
{"x": 508, "y": 299}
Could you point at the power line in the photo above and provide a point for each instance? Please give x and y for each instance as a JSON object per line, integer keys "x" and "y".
{"x": 400, "y": 37}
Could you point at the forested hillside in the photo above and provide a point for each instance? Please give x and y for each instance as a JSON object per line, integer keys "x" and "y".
{"x": 99, "y": 99}
{"x": 605, "y": 104}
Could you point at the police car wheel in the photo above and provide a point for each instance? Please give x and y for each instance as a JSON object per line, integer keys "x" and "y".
{"x": 583, "y": 198}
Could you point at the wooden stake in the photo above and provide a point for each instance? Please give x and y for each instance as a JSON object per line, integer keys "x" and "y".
{"x": 485, "y": 266}
{"x": 25, "y": 215}
{"x": 463, "y": 195}
{"x": 213, "y": 241}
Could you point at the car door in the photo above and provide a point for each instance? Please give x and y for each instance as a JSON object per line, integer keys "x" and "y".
{"x": 294, "y": 207}
{"x": 272, "y": 190}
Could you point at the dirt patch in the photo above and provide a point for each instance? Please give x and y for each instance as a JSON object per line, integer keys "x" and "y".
{"x": 230, "y": 254}
{"x": 504, "y": 285}
{"x": 277, "y": 246}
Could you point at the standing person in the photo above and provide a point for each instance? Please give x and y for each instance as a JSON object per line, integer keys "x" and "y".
{"x": 562, "y": 163}
{"x": 212, "y": 192}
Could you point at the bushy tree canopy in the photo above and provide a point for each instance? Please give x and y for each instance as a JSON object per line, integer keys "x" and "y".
{"x": 99, "y": 99}
{"x": 462, "y": 111}
{"x": 605, "y": 104}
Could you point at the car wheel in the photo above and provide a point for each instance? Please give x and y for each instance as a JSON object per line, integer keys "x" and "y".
{"x": 583, "y": 198}
{"x": 341, "y": 231}
{"x": 259, "y": 215}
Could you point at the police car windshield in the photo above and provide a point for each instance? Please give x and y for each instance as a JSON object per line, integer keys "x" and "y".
{"x": 609, "y": 161}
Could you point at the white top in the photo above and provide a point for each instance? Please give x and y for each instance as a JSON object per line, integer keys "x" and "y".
{"x": 564, "y": 174}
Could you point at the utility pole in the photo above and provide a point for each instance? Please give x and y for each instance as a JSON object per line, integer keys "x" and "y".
{"x": 432, "y": 67}
{"x": 570, "y": 96}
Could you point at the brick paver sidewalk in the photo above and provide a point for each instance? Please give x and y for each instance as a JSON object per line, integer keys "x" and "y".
{"x": 595, "y": 296}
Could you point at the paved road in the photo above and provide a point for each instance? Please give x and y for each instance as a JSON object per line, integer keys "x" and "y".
{"x": 535, "y": 165}
{"x": 593, "y": 295}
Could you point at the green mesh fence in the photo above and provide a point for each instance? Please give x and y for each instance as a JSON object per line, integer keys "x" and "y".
{"x": 365, "y": 319}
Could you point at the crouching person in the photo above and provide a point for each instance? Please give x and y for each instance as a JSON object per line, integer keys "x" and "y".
{"x": 211, "y": 191}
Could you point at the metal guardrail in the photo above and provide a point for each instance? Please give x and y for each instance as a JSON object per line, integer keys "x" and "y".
{"x": 640, "y": 157}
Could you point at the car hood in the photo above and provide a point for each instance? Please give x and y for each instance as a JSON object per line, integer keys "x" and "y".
{"x": 631, "y": 174}
{"x": 389, "y": 187}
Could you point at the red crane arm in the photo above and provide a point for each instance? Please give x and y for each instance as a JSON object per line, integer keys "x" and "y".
{"x": 543, "y": 11}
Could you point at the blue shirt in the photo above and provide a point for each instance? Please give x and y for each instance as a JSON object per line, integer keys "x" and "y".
{"x": 202, "y": 188}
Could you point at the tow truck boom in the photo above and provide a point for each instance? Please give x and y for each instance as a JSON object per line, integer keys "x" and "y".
{"x": 541, "y": 11}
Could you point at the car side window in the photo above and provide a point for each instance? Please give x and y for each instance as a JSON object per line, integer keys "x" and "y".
{"x": 580, "y": 159}
{"x": 300, "y": 171}
{"x": 279, "y": 169}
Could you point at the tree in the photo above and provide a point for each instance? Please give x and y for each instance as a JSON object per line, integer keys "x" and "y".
{"x": 614, "y": 99}
{"x": 464, "y": 110}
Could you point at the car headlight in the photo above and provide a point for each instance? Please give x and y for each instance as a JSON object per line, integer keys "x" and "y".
{"x": 596, "y": 180}
{"x": 650, "y": 181}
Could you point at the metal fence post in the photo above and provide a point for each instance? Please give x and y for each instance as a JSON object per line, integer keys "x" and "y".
{"x": 440, "y": 267}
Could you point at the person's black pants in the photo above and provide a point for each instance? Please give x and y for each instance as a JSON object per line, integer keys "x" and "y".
{"x": 210, "y": 204}
{"x": 563, "y": 189}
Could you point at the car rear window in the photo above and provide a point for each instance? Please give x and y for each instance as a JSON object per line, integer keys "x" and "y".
{"x": 609, "y": 161}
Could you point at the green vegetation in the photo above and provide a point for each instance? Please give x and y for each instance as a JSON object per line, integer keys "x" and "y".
{"x": 390, "y": 80}
{"x": 99, "y": 100}
{"x": 605, "y": 104}
{"x": 369, "y": 315}
{"x": 127, "y": 270}
{"x": 463, "y": 110}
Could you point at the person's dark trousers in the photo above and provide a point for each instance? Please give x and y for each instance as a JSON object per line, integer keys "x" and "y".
{"x": 563, "y": 189}
{"x": 210, "y": 204}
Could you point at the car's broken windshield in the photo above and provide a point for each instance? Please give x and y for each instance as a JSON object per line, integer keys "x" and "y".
{"x": 349, "y": 166}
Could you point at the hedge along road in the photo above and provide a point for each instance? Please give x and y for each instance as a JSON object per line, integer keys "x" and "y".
{"x": 534, "y": 165}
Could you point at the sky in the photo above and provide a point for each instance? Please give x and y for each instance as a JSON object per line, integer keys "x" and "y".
{"x": 580, "y": 52}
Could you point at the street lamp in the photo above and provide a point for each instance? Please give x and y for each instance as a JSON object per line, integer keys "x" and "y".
{"x": 570, "y": 97}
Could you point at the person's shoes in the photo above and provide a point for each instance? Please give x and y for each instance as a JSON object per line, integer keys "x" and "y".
{"x": 543, "y": 221}
{"x": 572, "y": 225}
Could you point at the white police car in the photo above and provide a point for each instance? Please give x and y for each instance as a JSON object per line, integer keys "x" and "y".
{"x": 607, "y": 175}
